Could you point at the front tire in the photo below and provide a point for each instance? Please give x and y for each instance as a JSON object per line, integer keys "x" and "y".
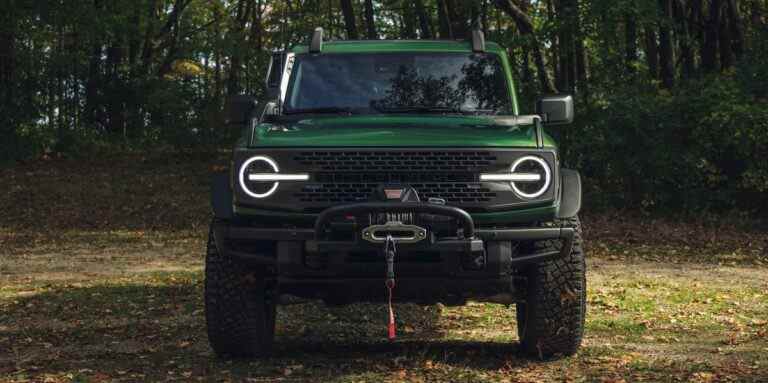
{"x": 550, "y": 322}
{"x": 239, "y": 311}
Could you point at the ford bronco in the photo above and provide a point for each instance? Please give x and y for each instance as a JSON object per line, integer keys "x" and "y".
{"x": 381, "y": 171}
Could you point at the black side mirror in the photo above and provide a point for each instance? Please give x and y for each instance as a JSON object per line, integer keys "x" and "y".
{"x": 269, "y": 110}
{"x": 555, "y": 110}
{"x": 239, "y": 110}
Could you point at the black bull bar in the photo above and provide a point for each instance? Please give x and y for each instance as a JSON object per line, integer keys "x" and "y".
{"x": 473, "y": 239}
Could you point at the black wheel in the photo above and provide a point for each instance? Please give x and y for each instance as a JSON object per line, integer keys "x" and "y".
{"x": 550, "y": 322}
{"x": 239, "y": 311}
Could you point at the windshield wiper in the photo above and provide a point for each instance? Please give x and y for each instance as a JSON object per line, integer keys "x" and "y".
{"x": 430, "y": 109}
{"x": 321, "y": 110}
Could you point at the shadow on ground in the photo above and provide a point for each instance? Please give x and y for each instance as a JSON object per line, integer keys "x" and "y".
{"x": 156, "y": 330}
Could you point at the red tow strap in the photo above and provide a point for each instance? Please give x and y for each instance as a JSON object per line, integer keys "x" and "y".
{"x": 389, "y": 255}
{"x": 391, "y": 327}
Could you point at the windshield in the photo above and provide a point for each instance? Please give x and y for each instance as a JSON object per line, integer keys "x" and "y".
{"x": 398, "y": 83}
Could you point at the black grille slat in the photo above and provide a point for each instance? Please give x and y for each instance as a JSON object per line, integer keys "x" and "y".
{"x": 394, "y": 177}
{"x": 400, "y": 161}
{"x": 451, "y": 192}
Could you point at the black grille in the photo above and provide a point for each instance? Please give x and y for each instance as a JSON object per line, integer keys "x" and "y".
{"x": 360, "y": 192}
{"x": 353, "y": 176}
{"x": 395, "y": 161}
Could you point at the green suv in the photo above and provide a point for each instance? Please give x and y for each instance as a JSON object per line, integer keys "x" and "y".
{"x": 381, "y": 171}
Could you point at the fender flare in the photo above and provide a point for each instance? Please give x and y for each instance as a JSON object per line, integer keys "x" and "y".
{"x": 221, "y": 196}
{"x": 570, "y": 196}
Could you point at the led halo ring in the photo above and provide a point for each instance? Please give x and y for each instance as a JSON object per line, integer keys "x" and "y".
{"x": 251, "y": 160}
{"x": 547, "y": 176}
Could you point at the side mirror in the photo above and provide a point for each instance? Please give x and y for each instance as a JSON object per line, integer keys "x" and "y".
{"x": 239, "y": 110}
{"x": 555, "y": 110}
{"x": 270, "y": 109}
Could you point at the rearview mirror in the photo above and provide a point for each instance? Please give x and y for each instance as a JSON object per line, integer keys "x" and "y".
{"x": 239, "y": 110}
{"x": 555, "y": 110}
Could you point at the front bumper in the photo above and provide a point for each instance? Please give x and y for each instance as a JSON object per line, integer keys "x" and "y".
{"x": 306, "y": 262}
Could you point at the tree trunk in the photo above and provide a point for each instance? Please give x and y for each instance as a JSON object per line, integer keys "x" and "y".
{"x": 683, "y": 30}
{"x": 256, "y": 40}
{"x": 757, "y": 15}
{"x": 581, "y": 66}
{"x": 726, "y": 49}
{"x": 134, "y": 39}
{"x": 149, "y": 35}
{"x": 349, "y": 19}
{"x": 666, "y": 51}
{"x": 652, "y": 52}
{"x": 8, "y": 80}
{"x": 630, "y": 34}
{"x": 409, "y": 20}
{"x": 711, "y": 38}
{"x": 567, "y": 11}
{"x": 525, "y": 27}
{"x": 459, "y": 26}
{"x": 59, "y": 73}
{"x": 554, "y": 49}
{"x": 424, "y": 22}
{"x": 527, "y": 73}
{"x": 370, "y": 22}
{"x": 92, "y": 84}
{"x": 244, "y": 8}
{"x": 444, "y": 20}
{"x": 737, "y": 27}
{"x": 115, "y": 105}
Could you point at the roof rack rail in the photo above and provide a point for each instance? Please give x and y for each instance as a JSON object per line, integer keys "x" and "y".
{"x": 317, "y": 41}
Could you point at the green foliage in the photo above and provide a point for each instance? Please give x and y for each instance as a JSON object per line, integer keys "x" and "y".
{"x": 698, "y": 147}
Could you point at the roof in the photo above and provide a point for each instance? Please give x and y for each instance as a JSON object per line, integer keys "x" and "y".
{"x": 367, "y": 46}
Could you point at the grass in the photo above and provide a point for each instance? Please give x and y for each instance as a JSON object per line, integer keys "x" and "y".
{"x": 121, "y": 300}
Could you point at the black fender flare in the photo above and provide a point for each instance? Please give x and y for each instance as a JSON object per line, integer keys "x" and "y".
{"x": 570, "y": 195}
{"x": 221, "y": 196}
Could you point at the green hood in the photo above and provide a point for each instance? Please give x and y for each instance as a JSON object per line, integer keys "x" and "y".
{"x": 405, "y": 131}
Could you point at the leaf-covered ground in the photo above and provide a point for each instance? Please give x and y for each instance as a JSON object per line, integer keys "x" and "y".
{"x": 101, "y": 280}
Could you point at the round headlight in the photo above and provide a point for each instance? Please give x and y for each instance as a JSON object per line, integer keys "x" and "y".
{"x": 258, "y": 165}
{"x": 531, "y": 165}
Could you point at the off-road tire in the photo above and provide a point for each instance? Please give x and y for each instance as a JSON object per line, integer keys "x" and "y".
{"x": 550, "y": 323}
{"x": 239, "y": 311}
